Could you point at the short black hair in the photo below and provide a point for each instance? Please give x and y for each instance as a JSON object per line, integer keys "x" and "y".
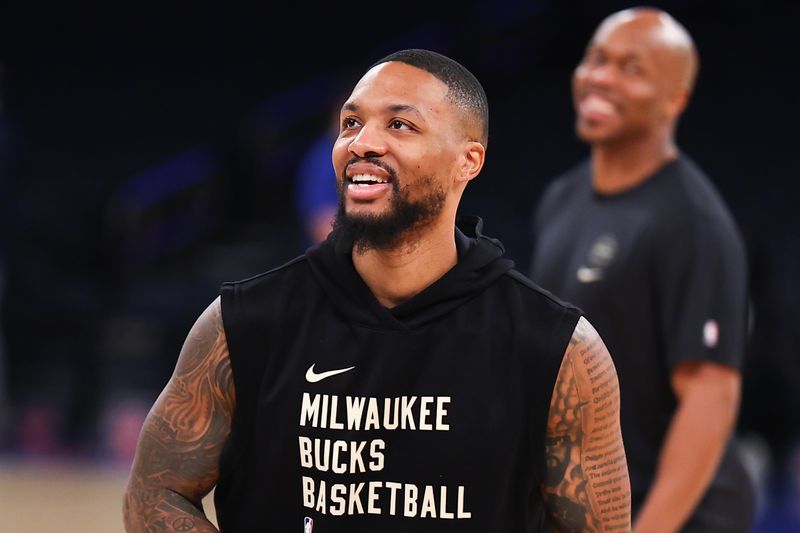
{"x": 464, "y": 89}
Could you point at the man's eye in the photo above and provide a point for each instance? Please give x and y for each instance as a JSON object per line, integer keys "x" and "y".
{"x": 398, "y": 125}
{"x": 349, "y": 123}
{"x": 594, "y": 59}
{"x": 632, "y": 68}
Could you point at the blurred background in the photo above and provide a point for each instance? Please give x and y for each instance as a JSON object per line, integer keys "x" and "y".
{"x": 147, "y": 154}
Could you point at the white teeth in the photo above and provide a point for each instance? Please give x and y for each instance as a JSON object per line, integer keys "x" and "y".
{"x": 367, "y": 179}
{"x": 598, "y": 104}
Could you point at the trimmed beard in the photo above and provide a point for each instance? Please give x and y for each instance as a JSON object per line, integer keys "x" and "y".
{"x": 362, "y": 233}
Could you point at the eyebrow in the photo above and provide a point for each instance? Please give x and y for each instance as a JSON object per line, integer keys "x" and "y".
{"x": 399, "y": 108}
{"x": 629, "y": 55}
{"x": 394, "y": 108}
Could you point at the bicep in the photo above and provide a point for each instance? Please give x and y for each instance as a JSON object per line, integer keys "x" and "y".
{"x": 586, "y": 485}
{"x": 710, "y": 380}
{"x": 182, "y": 438}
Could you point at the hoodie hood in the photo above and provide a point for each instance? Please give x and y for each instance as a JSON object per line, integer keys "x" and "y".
{"x": 480, "y": 263}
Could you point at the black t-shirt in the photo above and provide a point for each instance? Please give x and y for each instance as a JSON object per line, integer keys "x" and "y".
{"x": 660, "y": 271}
{"x": 351, "y": 417}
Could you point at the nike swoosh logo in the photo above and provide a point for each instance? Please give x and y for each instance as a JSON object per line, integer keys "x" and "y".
{"x": 313, "y": 377}
{"x": 589, "y": 274}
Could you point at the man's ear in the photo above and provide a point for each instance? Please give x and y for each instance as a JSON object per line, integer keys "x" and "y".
{"x": 677, "y": 103}
{"x": 471, "y": 161}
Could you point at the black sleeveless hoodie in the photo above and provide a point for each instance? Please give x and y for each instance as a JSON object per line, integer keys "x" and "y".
{"x": 351, "y": 417}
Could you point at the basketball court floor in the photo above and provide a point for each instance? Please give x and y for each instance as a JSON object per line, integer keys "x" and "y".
{"x": 64, "y": 497}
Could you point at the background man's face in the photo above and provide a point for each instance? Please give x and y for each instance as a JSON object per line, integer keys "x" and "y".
{"x": 621, "y": 85}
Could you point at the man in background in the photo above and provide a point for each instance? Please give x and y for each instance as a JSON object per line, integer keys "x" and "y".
{"x": 638, "y": 237}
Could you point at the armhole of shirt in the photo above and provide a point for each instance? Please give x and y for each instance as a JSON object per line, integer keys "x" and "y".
{"x": 243, "y": 372}
{"x": 545, "y": 382}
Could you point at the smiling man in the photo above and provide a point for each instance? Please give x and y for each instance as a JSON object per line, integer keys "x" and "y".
{"x": 638, "y": 237}
{"x": 400, "y": 376}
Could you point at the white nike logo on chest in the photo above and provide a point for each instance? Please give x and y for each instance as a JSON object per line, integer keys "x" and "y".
{"x": 313, "y": 377}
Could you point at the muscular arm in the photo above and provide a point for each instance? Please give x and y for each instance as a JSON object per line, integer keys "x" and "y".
{"x": 708, "y": 403}
{"x": 587, "y": 486}
{"x": 176, "y": 462}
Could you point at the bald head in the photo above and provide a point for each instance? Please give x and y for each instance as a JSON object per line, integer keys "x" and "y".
{"x": 658, "y": 30}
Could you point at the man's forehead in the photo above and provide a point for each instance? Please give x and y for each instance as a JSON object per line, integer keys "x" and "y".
{"x": 397, "y": 72}
{"x": 399, "y": 81}
{"x": 613, "y": 23}
{"x": 622, "y": 47}
{"x": 640, "y": 31}
{"x": 373, "y": 74}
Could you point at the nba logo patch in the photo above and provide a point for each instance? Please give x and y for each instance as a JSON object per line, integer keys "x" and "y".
{"x": 308, "y": 525}
{"x": 711, "y": 333}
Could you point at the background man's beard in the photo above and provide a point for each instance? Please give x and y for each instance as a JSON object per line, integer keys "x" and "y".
{"x": 381, "y": 232}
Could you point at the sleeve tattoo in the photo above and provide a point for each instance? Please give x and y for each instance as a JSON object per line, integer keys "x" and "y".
{"x": 586, "y": 485}
{"x": 176, "y": 462}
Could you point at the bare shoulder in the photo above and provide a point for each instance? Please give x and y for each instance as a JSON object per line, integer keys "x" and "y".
{"x": 206, "y": 343}
{"x": 586, "y": 484}
{"x": 590, "y": 359}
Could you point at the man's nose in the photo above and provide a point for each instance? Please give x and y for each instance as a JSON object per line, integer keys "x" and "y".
{"x": 369, "y": 142}
{"x": 603, "y": 74}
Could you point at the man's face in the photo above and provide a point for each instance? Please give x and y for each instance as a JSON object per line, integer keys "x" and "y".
{"x": 395, "y": 154}
{"x": 623, "y": 83}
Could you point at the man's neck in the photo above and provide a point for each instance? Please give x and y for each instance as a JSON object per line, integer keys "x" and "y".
{"x": 398, "y": 274}
{"x": 619, "y": 167}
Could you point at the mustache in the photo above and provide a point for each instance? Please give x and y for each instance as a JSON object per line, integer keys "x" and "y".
{"x": 378, "y": 162}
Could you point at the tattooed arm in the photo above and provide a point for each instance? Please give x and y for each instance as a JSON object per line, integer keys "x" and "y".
{"x": 586, "y": 487}
{"x": 176, "y": 462}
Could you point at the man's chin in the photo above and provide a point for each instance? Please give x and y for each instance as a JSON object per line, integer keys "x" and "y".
{"x": 383, "y": 226}
{"x": 594, "y": 135}
{"x": 362, "y": 231}
{"x": 366, "y": 213}
{"x": 600, "y": 133}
